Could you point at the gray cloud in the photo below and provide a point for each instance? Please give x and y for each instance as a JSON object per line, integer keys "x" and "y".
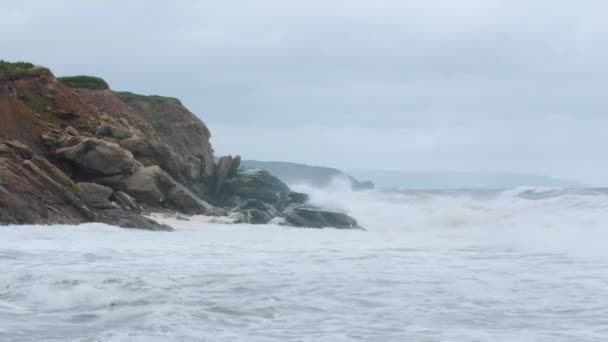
{"x": 458, "y": 85}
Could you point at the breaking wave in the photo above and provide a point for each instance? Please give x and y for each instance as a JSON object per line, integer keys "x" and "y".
{"x": 520, "y": 264}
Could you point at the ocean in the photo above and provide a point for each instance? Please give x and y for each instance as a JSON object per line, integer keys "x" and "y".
{"x": 522, "y": 264}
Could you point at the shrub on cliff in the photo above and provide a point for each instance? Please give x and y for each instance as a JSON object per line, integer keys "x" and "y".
{"x": 12, "y": 70}
{"x": 82, "y": 81}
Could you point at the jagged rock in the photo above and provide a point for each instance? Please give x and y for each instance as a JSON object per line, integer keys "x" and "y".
{"x": 316, "y": 218}
{"x": 224, "y": 165}
{"x": 99, "y": 156}
{"x": 296, "y": 197}
{"x": 128, "y": 219}
{"x": 144, "y": 185}
{"x": 255, "y": 211}
{"x": 126, "y": 202}
{"x": 152, "y": 185}
{"x": 34, "y": 191}
{"x": 236, "y": 163}
{"x": 139, "y": 146}
{"x": 96, "y": 196}
{"x": 216, "y": 212}
{"x": 22, "y": 150}
{"x": 186, "y": 201}
{"x": 124, "y": 122}
{"x": 72, "y": 131}
{"x": 113, "y": 131}
{"x": 253, "y": 184}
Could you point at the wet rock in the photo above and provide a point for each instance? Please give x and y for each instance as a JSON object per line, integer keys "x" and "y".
{"x": 215, "y": 212}
{"x": 296, "y": 197}
{"x": 128, "y": 219}
{"x": 316, "y": 218}
{"x": 255, "y": 211}
{"x": 253, "y": 184}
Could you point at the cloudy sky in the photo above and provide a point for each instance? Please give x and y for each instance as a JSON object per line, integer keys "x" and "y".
{"x": 468, "y": 85}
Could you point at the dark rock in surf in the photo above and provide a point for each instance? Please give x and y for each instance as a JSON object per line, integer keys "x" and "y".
{"x": 255, "y": 211}
{"x": 316, "y": 218}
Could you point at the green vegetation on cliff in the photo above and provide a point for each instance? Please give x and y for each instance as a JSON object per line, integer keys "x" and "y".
{"x": 83, "y": 81}
{"x": 127, "y": 95}
{"x": 10, "y": 70}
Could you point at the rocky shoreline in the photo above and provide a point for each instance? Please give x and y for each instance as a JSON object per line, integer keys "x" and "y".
{"x": 74, "y": 151}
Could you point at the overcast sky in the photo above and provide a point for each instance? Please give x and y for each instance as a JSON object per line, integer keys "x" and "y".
{"x": 468, "y": 85}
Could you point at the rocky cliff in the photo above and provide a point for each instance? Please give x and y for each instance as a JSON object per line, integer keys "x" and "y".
{"x": 72, "y": 151}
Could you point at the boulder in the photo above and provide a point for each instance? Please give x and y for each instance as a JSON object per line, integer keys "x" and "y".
{"x": 93, "y": 155}
{"x": 186, "y": 201}
{"x": 316, "y": 218}
{"x": 117, "y": 132}
{"x": 71, "y": 131}
{"x": 254, "y": 211}
{"x": 224, "y": 166}
{"x": 144, "y": 185}
{"x": 96, "y": 196}
{"x": 139, "y": 146}
{"x": 254, "y": 184}
{"x": 297, "y": 198}
{"x": 126, "y": 202}
{"x": 153, "y": 186}
{"x": 236, "y": 163}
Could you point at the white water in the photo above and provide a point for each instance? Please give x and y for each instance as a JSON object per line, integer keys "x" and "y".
{"x": 517, "y": 265}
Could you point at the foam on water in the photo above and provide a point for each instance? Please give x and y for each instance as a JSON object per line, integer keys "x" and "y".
{"x": 525, "y": 264}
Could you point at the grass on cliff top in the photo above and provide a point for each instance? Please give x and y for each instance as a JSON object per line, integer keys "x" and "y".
{"x": 13, "y": 70}
{"x": 127, "y": 95}
{"x": 86, "y": 82}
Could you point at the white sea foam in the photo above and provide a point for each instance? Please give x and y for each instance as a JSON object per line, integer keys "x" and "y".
{"x": 526, "y": 264}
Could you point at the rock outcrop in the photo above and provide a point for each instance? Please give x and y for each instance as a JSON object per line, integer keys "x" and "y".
{"x": 34, "y": 191}
{"x": 73, "y": 151}
{"x": 259, "y": 197}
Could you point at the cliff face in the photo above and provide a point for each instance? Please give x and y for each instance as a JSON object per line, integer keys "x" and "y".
{"x": 72, "y": 151}
{"x": 175, "y": 125}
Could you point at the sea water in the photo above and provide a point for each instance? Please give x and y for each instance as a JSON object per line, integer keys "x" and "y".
{"x": 525, "y": 264}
